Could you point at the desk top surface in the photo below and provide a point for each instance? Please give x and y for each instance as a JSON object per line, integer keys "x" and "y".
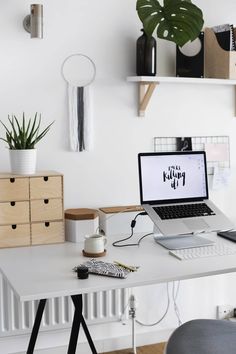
{"x": 46, "y": 271}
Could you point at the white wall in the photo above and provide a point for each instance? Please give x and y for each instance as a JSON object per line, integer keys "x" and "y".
{"x": 105, "y": 30}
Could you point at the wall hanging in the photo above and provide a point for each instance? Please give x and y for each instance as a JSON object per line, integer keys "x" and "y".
{"x": 79, "y": 71}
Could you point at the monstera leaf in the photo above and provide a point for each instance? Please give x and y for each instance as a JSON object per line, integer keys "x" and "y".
{"x": 178, "y": 21}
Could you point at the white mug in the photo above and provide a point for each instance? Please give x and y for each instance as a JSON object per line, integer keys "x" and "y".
{"x": 94, "y": 243}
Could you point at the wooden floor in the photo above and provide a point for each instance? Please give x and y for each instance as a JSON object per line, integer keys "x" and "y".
{"x": 147, "y": 349}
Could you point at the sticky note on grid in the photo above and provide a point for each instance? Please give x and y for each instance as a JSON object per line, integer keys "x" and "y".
{"x": 217, "y": 152}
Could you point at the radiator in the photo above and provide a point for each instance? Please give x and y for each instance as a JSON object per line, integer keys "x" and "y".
{"x": 18, "y": 317}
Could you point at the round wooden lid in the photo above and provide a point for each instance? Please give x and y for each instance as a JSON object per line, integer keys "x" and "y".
{"x": 81, "y": 214}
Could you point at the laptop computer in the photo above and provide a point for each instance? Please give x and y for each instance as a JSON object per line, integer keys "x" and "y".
{"x": 174, "y": 193}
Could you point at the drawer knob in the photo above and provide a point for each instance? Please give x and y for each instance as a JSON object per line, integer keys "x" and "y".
{"x": 13, "y": 227}
{"x": 47, "y": 224}
{"x": 13, "y": 203}
{"x": 45, "y": 179}
{"x": 46, "y": 201}
{"x": 12, "y": 180}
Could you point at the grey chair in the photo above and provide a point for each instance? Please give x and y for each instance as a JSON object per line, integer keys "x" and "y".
{"x": 203, "y": 337}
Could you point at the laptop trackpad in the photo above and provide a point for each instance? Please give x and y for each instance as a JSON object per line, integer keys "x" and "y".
{"x": 197, "y": 224}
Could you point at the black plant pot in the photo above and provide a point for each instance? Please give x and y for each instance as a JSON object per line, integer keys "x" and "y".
{"x": 146, "y": 56}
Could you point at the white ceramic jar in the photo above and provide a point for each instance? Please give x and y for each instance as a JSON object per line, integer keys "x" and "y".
{"x": 80, "y": 222}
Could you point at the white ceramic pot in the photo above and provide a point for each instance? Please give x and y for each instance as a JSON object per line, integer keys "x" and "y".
{"x": 23, "y": 162}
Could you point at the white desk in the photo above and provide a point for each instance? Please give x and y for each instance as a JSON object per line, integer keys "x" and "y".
{"x": 43, "y": 272}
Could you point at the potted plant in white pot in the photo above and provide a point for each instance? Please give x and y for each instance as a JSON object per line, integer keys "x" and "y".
{"x": 21, "y": 137}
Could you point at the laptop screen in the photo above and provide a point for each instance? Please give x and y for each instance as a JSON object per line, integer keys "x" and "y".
{"x": 172, "y": 177}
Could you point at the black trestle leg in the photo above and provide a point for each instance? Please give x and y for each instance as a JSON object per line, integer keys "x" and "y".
{"x": 74, "y": 332}
{"x": 77, "y": 320}
{"x": 89, "y": 338}
{"x": 36, "y": 326}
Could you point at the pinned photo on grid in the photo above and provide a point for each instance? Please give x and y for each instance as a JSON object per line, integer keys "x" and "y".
{"x": 184, "y": 144}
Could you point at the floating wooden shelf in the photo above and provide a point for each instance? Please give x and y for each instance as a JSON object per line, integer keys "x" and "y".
{"x": 147, "y": 85}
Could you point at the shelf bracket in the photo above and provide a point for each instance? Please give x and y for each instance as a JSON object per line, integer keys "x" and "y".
{"x": 146, "y": 90}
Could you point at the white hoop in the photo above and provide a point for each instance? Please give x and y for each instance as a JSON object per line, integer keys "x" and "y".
{"x": 78, "y": 70}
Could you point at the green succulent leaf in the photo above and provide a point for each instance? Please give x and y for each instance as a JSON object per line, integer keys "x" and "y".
{"x": 34, "y": 130}
{"x": 42, "y": 134}
{"x": 24, "y": 134}
{"x": 178, "y": 21}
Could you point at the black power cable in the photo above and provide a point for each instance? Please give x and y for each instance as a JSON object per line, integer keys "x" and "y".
{"x": 132, "y": 225}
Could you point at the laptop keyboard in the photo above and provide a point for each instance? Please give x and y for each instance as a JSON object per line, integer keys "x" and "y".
{"x": 183, "y": 211}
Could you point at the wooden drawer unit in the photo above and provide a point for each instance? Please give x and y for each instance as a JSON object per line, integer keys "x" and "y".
{"x": 14, "y": 235}
{"x": 13, "y": 189}
{"x": 46, "y": 187}
{"x": 31, "y": 209}
{"x": 47, "y": 232}
{"x": 46, "y": 209}
{"x": 14, "y": 213}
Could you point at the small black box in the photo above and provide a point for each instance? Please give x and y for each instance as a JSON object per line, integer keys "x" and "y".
{"x": 190, "y": 58}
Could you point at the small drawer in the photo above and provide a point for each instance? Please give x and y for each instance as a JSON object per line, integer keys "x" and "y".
{"x": 14, "y": 189}
{"x": 46, "y": 209}
{"x": 48, "y": 232}
{"x": 14, "y": 235}
{"x": 45, "y": 187}
{"x": 14, "y": 213}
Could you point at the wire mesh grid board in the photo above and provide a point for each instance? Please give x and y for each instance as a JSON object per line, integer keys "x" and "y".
{"x": 199, "y": 143}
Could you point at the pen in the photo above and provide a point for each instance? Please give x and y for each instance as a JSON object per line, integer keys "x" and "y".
{"x": 132, "y": 269}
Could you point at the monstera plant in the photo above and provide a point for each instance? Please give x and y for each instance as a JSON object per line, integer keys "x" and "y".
{"x": 178, "y": 21}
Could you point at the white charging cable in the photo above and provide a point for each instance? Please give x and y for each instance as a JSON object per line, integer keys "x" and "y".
{"x": 175, "y": 292}
{"x": 164, "y": 314}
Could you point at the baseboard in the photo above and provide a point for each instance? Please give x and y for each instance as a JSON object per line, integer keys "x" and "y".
{"x": 117, "y": 336}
